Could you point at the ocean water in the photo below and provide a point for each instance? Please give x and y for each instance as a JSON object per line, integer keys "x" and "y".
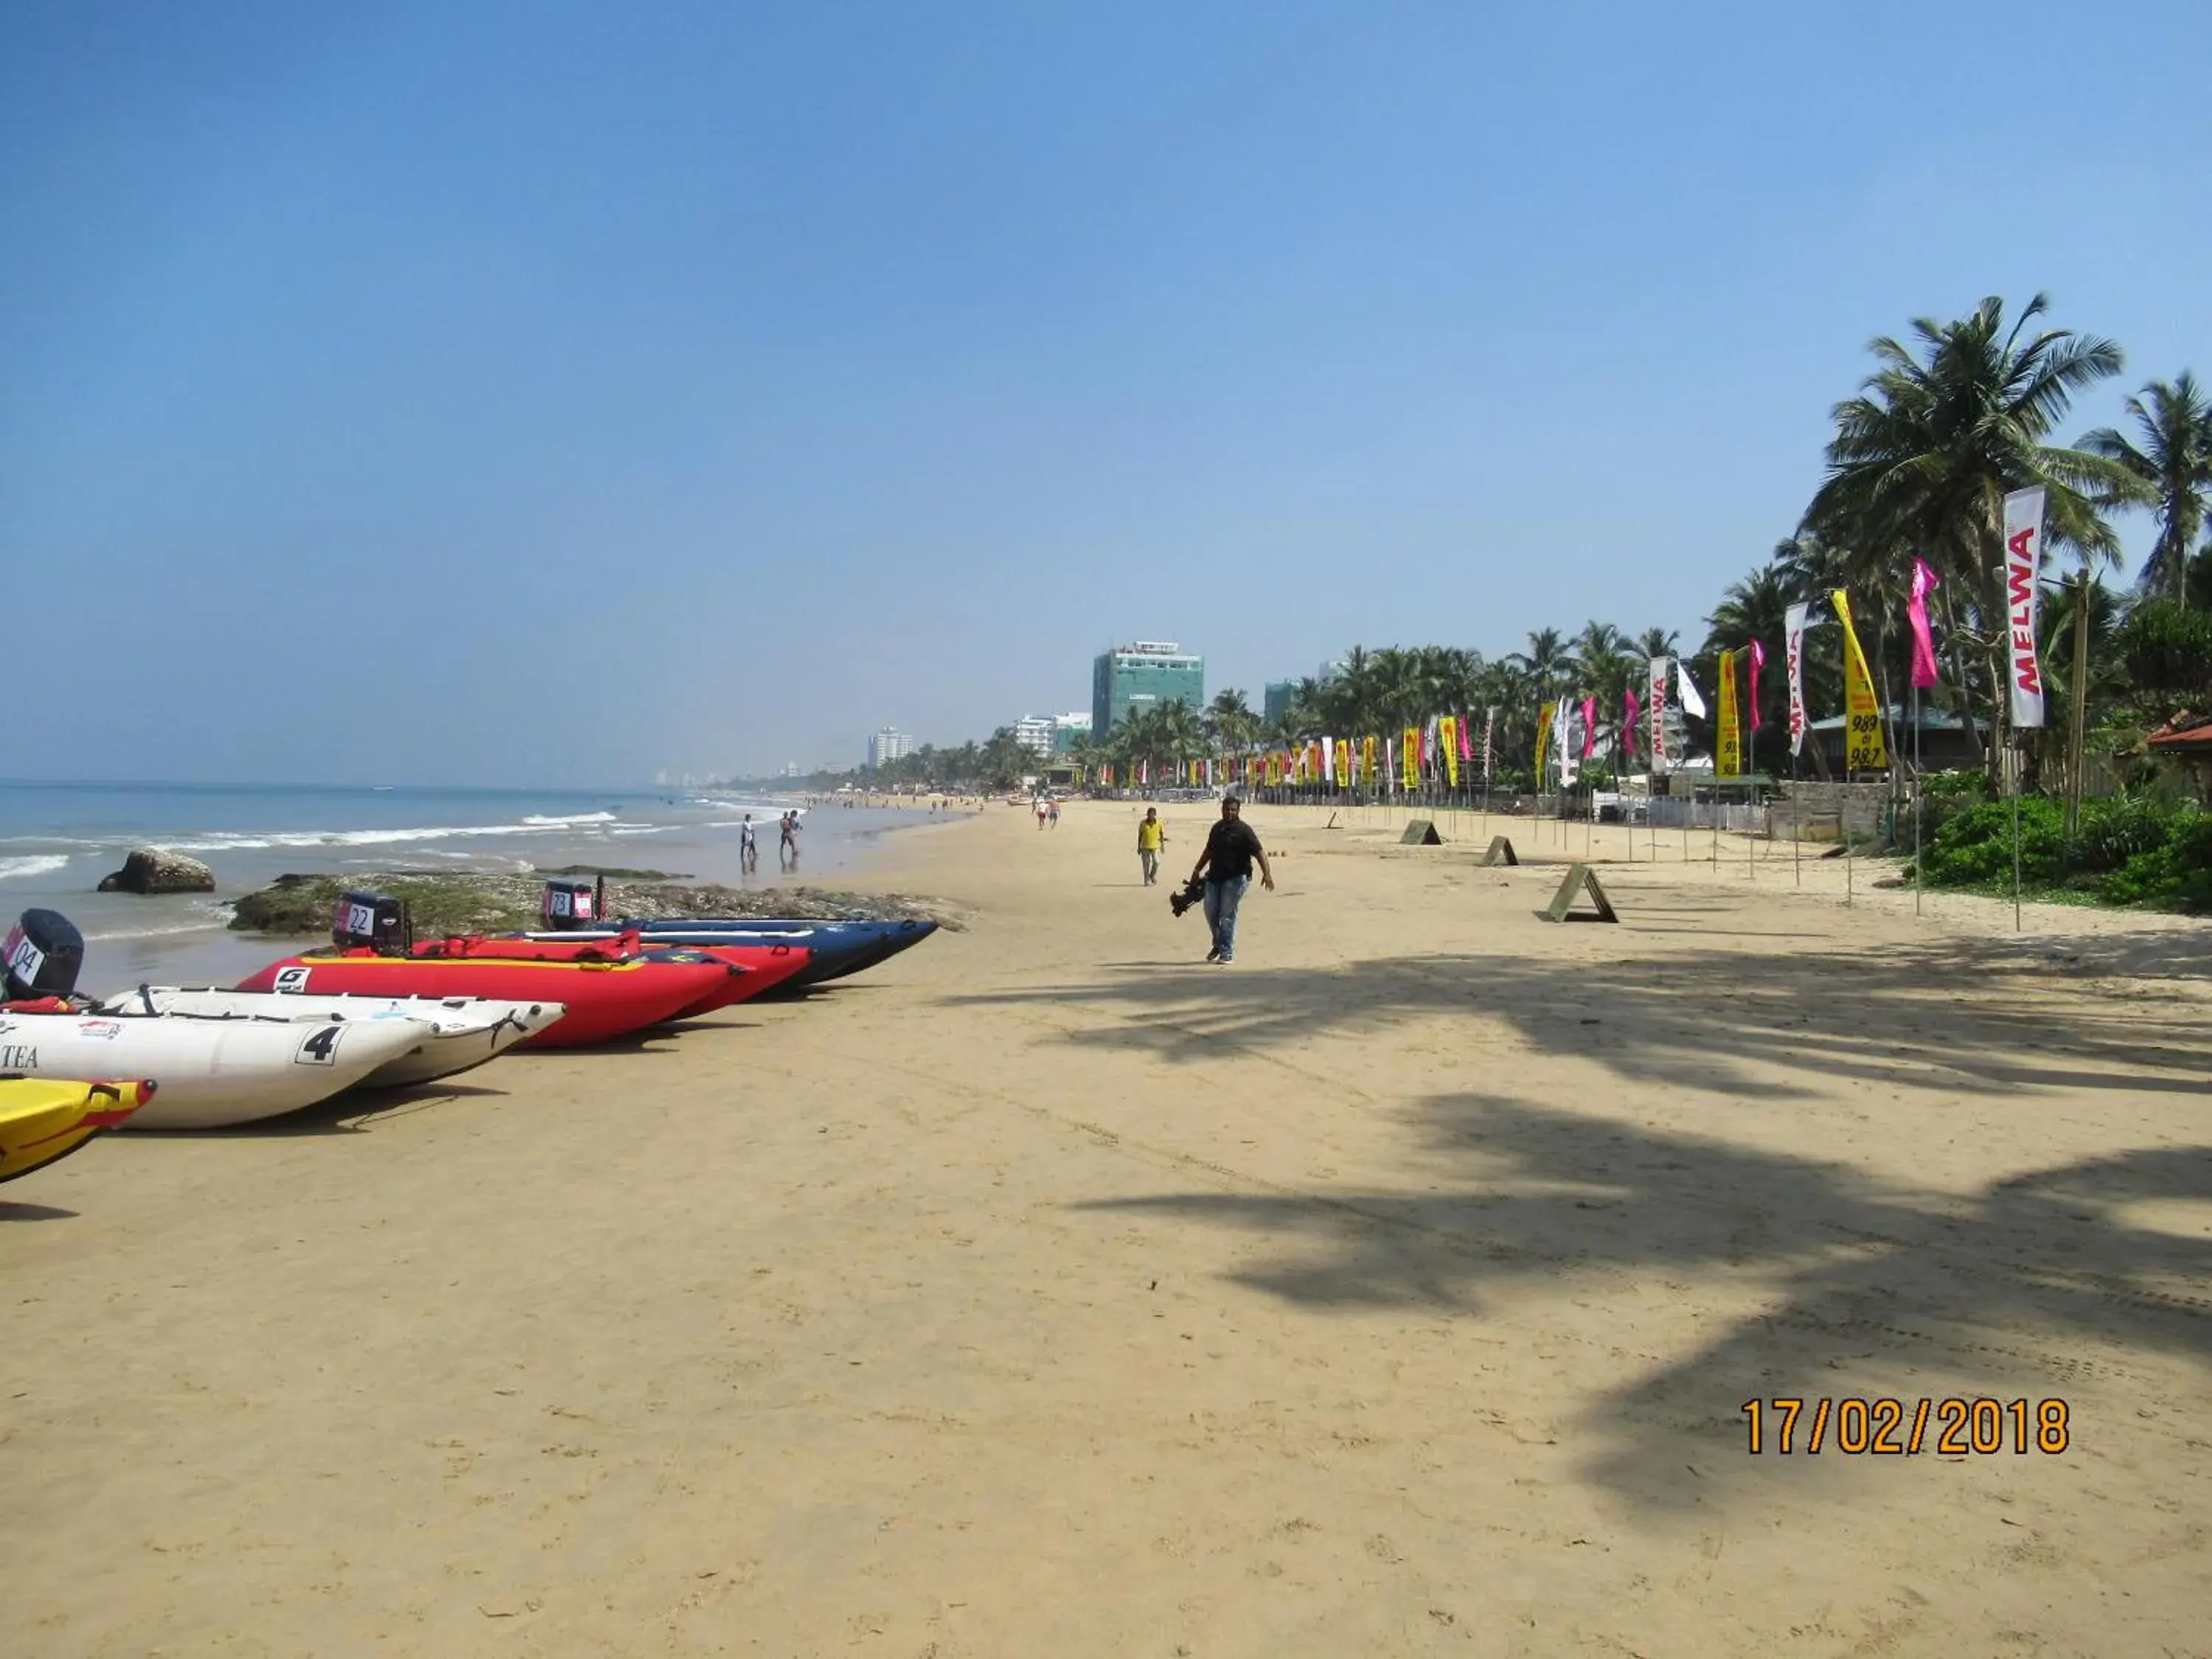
{"x": 58, "y": 840}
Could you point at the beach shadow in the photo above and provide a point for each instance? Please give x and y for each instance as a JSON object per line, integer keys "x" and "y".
{"x": 13, "y": 1210}
{"x": 352, "y": 1112}
{"x": 1738, "y": 1022}
{"x": 2023, "y": 1288}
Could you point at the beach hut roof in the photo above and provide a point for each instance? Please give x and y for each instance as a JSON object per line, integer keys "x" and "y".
{"x": 1931, "y": 720}
{"x": 2185, "y": 734}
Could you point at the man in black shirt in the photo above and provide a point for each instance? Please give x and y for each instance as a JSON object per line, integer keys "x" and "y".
{"x": 1226, "y": 865}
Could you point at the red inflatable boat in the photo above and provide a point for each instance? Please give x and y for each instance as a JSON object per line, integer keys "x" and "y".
{"x": 603, "y": 998}
{"x": 760, "y": 968}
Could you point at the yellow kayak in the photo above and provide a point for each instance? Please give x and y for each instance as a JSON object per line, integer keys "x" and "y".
{"x": 41, "y": 1121}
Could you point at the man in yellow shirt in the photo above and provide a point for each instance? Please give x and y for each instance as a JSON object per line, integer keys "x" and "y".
{"x": 1152, "y": 834}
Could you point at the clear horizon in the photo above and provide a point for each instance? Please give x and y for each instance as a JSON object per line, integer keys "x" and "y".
{"x": 402, "y": 394}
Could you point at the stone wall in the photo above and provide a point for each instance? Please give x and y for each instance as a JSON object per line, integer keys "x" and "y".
{"x": 1813, "y": 812}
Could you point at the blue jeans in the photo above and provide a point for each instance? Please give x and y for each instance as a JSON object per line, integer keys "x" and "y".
{"x": 1222, "y": 898}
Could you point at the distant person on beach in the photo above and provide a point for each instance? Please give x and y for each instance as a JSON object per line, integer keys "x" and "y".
{"x": 1040, "y": 811}
{"x": 786, "y": 852}
{"x": 1053, "y": 817}
{"x": 1226, "y": 864}
{"x": 748, "y": 848}
{"x": 1151, "y": 836}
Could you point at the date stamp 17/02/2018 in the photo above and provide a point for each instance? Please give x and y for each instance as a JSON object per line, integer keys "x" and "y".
{"x": 1880, "y": 1427}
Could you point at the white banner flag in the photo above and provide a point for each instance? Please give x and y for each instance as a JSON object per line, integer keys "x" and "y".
{"x": 1562, "y": 731}
{"x": 1656, "y": 708}
{"x": 1691, "y": 702}
{"x": 1793, "y": 631}
{"x": 2023, "y": 566}
{"x": 1329, "y": 759}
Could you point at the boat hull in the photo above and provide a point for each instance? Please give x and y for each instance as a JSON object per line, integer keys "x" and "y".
{"x": 838, "y": 948}
{"x": 43, "y": 1121}
{"x": 212, "y": 1072}
{"x": 604, "y": 1000}
{"x": 460, "y": 1033}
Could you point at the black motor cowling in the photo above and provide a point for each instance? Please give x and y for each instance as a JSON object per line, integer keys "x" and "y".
{"x": 43, "y": 953}
{"x": 570, "y": 904}
{"x": 375, "y": 919}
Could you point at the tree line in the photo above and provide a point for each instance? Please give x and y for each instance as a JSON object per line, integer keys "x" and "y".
{"x": 1947, "y": 423}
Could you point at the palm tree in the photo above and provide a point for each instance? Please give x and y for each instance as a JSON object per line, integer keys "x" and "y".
{"x": 1921, "y": 459}
{"x": 1004, "y": 761}
{"x": 1658, "y": 642}
{"x": 1546, "y": 662}
{"x": 1230, "y": 720}
{"x": 1756, "y": 609}
{"x": 2174, "y": 463}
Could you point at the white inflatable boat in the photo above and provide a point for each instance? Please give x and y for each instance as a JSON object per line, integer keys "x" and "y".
{"x": 458, "y": 1032}
{"x": 212, "y": 1072}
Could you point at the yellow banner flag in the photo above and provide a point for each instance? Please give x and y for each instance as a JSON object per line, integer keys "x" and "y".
{"x": 1543, "y": 739}
{"x": 1367, "y": 762}
{"x": 1447, "y": 740}
{"x": 1865, "y": 747}
{"x": 1727, "y": 761}
{"x": 1412, "y": 748}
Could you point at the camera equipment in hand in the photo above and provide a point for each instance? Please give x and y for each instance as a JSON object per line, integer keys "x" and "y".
{"x": 572, "y": 904}
{"x": 41, "y": 956}
{"x": 375, "y": 919}
{"x": 1193, "y": 892}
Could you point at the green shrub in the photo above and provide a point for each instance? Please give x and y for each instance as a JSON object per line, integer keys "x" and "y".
{"x": 1975, "y": 846}
{"x": 2177, "y": 872}
{"x": 2113, "y": 831}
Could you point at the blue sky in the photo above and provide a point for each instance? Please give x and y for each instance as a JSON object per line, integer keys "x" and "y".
{"x": 552, "y": 393}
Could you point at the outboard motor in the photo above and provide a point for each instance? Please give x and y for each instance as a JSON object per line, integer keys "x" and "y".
{"x": 573, "y": 904}
{"x": 375, "y": 919}
{"x": 40, "y": 956}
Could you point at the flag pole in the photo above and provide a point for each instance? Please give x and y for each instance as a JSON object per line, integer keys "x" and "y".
{"x": 1917, "y": 814}
{"x": 2013, "y": 756}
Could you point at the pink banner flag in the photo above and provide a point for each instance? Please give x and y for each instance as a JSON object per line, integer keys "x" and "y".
{"x": 1916, "y": 612}
{"x": 1466, "y": 749}
{"x": 1758, "y": 662}
{"x": 1630, "y": 709}
{"x": 1589, "y": 725}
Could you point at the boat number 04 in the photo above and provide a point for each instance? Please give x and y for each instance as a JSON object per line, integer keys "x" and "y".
{"x": 319, "y": 1049}
{"x": 291, "y": 980}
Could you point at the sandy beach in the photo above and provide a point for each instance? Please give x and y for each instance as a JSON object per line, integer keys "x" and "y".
{"x": 1046, "y": 1291}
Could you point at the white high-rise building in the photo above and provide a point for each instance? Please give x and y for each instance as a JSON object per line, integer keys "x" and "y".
{"x": 1033, "y": 732}
{"x": 889, "y": 745}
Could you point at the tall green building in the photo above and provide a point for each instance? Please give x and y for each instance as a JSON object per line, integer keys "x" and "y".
{"x": 1143, "y": 675}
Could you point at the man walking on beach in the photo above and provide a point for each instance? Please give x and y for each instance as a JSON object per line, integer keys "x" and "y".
{"x": 1226, "y": 864}
{"x": 1151, "y": 836}
{"x": 747, "y": 849}
{"x": 786, "y": 852}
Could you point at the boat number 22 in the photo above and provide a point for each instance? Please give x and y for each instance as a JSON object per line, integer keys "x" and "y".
{"x": 319, "y": 1049}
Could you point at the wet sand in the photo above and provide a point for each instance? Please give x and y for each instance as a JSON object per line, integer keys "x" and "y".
{"x": 1394, "y": 1290}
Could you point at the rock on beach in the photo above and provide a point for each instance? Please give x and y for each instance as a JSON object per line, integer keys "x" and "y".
{"x": 157, "y": 870}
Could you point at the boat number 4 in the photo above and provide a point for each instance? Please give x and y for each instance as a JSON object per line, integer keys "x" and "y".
{"x": 319, "y": 1049}
{"x": 291, "y": 980}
